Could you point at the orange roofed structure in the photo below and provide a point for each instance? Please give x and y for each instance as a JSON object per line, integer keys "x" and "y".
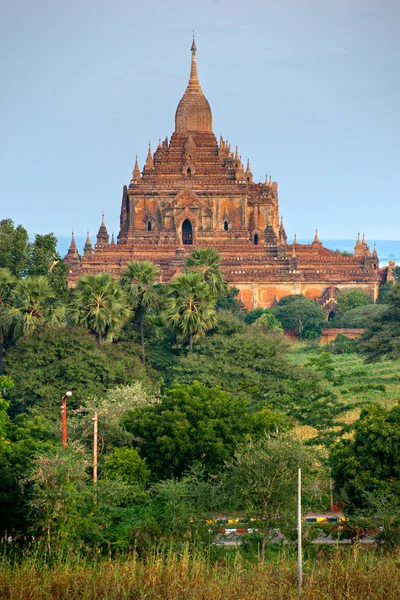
{"x": 195, "y": 191}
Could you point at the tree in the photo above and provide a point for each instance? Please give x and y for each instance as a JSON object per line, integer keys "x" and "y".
{"x": 370, "y": 460}
{"x": 230, "y": 302}
{"x": 126, "y": 464}
{"x": 32, "y": 306}
{"x": 253, "y": 315}
{"x": 262, "y": 479}
{"x": 189, "y": 306}
{"x": 68, "y": 359}
{"x": 140, "y": 280}
{"x": 194, "y": 424}
{"x": 20, "y": 440}
{"x": 100, "y": 305}
{"x": 251, "y": 365}
{"x": 7, "y": 281}
{"x": 207, "y": 261}
{"x": 351, "y": 299}
{"x": 268, "y": 323}
{"x": 45, "y": 260}
{"x": 382, "y": 338}
{"x": 304, "y": 316}
{"x": 15, "y": 249}
{"x": 359, "y": 318}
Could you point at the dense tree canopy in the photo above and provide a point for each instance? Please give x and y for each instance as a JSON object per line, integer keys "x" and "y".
{"x": 369, "y": 461}
{"x": 194, "y": 424}
{"x": 351, "y": 299}
{"x": 359, "y": 318}
{"x": 303, "y": 316}
{"x": 382, "y": 339}
{"x": 67, "y": 359}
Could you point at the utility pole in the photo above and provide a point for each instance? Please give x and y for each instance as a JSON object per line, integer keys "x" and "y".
{"x": 95, "y": 442}
{"x": 64, "y": 419}
{"x": 330, "y": 486}
{"x": 299, "y": 550}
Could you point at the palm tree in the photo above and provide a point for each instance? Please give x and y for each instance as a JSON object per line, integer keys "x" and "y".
{"x": 144, "y": 292}
{"x": 7, "y": 281}
{"x": 190, "y": 306}
{"x": 32, "y": 305}
{"x": 207, "y": 262}
{"x": 99, "y": 304}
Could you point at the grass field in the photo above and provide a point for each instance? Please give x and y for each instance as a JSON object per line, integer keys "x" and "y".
{"x": 355, "y": 380}
{"x": 353, "y": 575}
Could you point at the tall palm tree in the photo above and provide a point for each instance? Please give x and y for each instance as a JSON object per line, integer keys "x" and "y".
{"x": 33, "y": 304}
{"x": 99, "y": 304}
{"x": 190, "y": 306}
{"x": 207, "y": 261}
{"x": 140, "y": 280}
{"x": 7, "y": 281}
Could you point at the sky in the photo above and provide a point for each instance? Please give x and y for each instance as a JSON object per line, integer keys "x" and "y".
{"x": 308, "y": 89}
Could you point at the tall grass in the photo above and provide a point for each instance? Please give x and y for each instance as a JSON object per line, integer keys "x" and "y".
{"x": 354, "y": 575}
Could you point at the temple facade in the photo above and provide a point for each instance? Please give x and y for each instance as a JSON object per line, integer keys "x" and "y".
{"x": 195, "y": 191}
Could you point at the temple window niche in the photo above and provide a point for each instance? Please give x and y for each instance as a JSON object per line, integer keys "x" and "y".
{"x": 255, "y": 239}
{"x": 226, "y": 226}
{"x": 187, "y": 232}
{"x": 149, "y": 226}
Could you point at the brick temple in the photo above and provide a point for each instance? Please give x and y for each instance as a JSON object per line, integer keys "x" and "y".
{"x": 195, "y": 191}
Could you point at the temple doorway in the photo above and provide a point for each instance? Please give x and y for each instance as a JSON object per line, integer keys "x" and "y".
{"x": 187, "y": 232}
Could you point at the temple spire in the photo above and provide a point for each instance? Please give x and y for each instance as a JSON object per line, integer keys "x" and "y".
{"x": 102, "y": 235}
{"x": 194, "y": 79}
{"x": 88, "y": 245}
{"x": 72, "y": 246}
{"x": 149, "y": 160}
{"x": 316, "y": 238}
{"x": 136, "y": 172}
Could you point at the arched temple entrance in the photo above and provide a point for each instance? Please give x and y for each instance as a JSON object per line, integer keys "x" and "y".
{"x": 187, "y": 232}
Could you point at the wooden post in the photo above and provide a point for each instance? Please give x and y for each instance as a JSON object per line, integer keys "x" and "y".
{"x": 299, "y": 550}
{"x": 330, "y": 486}
{"x": 95, "y": 442}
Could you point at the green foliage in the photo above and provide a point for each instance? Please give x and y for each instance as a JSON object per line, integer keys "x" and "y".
{"x": 14, "y": 248}
{"x": 140, "y": 280}
{"x": 111, "y": 409}
{"x": 32, "y": 305}
{"x": 253, "y": 315}
{"x": 125, "y": 464}
{"x": 341, "y": 345}
{"x": 189, "y": 306}
{"x": 67, "y": 359}
{"x": 229, "y": 301}
{"x": 20, "y": 441}
{"x": 99, "y": 304}
{"x": 396, "y": 273}
{"x": 192, "y": 424}
{"x": 248, "y": 365}
{"x": 207, "y": 262}
{"x": 359, "y": 318}
{"x": 351, "y": 299}
{"x": 46, "y": 261}
{"x": 303, "y": 316}
{"x": 262, "y": 480}
{"x": 370, "y": 460}
{"x": 227, "y": 324}
{"x": 382, "y": 339}
{"x": 268, "y": 323}
{"x": 383, "y": 291}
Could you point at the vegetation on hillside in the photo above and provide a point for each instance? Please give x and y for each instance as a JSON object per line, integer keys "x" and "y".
{"x": 203, "y": 410}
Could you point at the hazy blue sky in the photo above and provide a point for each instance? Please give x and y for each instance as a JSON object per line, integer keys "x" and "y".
{"x": 308, "y": 89}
